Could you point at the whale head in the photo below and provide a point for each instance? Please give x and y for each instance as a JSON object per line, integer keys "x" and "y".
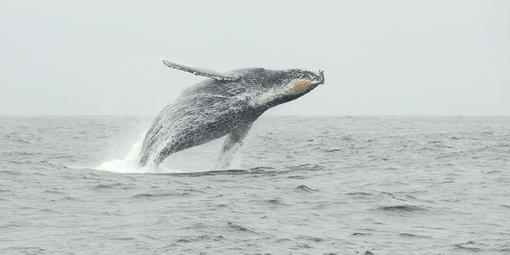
{"x": 301, "y": 82}
{"x": 287, "y": 85}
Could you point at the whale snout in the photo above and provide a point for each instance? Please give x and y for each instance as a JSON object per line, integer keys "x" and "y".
{"x": 321, "y": 75}
{"x": 318, "y": 78}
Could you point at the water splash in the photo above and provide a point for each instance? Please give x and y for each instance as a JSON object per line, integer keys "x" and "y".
{"x": 198, "y": 159}
{"x": 128, "y": 164}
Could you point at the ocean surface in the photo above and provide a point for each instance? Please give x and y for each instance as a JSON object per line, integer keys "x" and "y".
{"x": 300, "y": 185}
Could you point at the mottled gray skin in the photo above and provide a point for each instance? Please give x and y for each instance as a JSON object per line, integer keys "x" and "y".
{"x": 220, "y": 106}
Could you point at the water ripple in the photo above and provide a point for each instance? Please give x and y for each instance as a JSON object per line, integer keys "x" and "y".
{"x": 241, "y": 228}
{"x": 305, "y": 188}
{"x": 401, "y": 208}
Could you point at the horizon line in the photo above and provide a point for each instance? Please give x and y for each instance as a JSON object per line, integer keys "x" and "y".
{"x": 266, "y": 115}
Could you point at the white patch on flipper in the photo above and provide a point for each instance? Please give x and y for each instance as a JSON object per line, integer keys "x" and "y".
{"x": 226, "y": 157}
{"x": 233, "y": 142}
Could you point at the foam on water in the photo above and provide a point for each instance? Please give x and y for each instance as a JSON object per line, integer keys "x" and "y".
{"x": 178, "y": 163}
{"x": 128, "y": 164}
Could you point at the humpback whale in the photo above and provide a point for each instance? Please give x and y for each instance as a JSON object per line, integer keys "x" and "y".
{"x": 225, "y": 104}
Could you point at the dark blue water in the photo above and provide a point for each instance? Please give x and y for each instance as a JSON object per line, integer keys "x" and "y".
{"x": 301, "y": 185}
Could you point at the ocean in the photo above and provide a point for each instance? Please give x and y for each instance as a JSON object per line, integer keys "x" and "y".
{"x": 299, "y": 185}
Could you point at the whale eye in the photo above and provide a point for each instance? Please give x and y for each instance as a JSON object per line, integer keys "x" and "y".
{"x": 301, "y": 86}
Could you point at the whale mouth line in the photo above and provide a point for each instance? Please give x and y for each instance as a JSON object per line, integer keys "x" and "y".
{"x": 315, "y": 84}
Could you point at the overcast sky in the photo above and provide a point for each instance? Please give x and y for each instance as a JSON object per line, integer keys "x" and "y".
{"x": 380, "y": 57}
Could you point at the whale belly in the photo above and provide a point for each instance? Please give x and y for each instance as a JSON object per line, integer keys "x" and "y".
{"x": 193, "y": 120}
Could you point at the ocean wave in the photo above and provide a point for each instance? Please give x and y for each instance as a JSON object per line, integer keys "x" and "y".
{"x": 401, "y": 208}
{"x": 305, "y": 188}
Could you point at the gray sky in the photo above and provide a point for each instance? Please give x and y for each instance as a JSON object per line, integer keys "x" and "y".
{"x": 380, "y": 57}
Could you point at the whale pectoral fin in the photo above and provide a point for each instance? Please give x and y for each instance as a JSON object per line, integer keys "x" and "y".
{"x": 201, "y": 72}
{"x": 232, "y": 144}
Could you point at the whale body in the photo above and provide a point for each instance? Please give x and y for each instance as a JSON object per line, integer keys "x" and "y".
{"x": 225, "y": 104}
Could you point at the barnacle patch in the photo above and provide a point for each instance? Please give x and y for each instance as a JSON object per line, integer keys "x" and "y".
{"x": 301, "y": 86}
